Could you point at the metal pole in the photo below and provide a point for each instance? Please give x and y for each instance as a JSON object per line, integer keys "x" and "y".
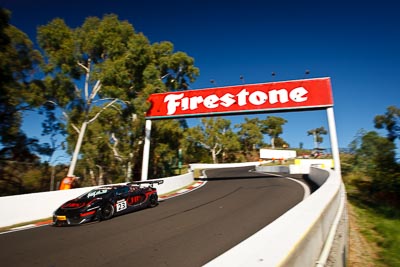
{"x": 334, "y": 140}
{"x": 146, "y": 151}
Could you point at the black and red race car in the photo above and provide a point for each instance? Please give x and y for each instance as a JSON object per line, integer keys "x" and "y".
{"x": 104, "y": 202}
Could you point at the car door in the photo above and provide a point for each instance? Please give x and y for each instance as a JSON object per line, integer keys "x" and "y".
{"x": 122, "y": 199}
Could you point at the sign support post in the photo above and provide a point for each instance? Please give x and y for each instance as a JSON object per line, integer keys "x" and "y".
{"x": 334, "y": 140}
{"x": 146, "y": 151}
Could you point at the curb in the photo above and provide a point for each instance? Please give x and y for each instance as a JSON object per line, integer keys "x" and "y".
{"x": 182, "y": 191}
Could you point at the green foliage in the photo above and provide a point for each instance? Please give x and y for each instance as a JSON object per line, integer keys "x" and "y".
{"x": 166, "y": 142}
{"x": 100, "y": 75}
{"x": 380, "y": 224}
{"x": 18, "y": 92}
{"x": 120, "y": 69}
{"x": 250, "y": 135}
{"x": 374, "y": 157}
{"x": 279, "y": 142}
{"x": 215, "y": 136}
{"x": 390, "y": 121}
{"x": 273, "y": 127}
{"x": 316, "y": 133}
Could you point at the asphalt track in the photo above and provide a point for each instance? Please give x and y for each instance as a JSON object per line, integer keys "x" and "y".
{"x": 188, "y": 230}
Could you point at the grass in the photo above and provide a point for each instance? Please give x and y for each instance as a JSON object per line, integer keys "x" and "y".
{"x": 379, "y": 224}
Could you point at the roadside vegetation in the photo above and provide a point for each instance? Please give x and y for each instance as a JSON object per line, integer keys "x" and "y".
{"x": 380, "y": 226}
{"x": 371, "y": 174}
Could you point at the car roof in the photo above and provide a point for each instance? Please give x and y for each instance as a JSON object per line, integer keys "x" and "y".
{"x": 113, "y": 187}
{"x": 110, "y": 187}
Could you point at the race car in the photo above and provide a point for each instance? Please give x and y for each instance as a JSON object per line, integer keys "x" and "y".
{"x": 104, "y": 202}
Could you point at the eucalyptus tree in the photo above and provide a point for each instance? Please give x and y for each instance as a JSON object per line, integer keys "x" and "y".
{"x": 250, "y": 135}
{"x": 316, "y": 133}
{"x": 167, "y": 142}
{"x": 390, "y": 121}
{"x": 272, "y": 126}
{"x": 104, "y": 65}
{"x": 279, "y": 142}
{"x": 20, "y": 91}
{"x": 101, "y": 148}
{"x": 216, "y": 136}
{"x": 376, "y": 159}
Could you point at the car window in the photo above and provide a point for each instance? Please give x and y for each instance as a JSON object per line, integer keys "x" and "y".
{"x": 122, "y": 190}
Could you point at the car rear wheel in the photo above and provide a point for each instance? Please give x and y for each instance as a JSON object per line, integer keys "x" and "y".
{"x": 153, "y": 201}
{"x": 107, "y": 212}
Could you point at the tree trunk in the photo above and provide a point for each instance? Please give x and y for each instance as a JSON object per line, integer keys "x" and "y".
{"x": 92, "y": 177}
{"x": 214, "y": 156}
{"x": 316, "y": 145}
{"x": 77, "y": 149}
{"x": 101, "y": 175}
{"x": 129, "y": 169}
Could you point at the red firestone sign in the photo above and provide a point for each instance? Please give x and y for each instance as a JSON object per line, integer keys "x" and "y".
{"x": 246, "y": 98}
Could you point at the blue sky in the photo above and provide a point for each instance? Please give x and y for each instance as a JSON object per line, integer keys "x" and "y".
{"x": 355, "y": 43}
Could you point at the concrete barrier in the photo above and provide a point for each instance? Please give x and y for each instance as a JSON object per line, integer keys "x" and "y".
{"x": 204, "y": 166}
{"x": 284, "y": 169}
{"x": 302, "y": 166}
{"x": 36, "y": 206}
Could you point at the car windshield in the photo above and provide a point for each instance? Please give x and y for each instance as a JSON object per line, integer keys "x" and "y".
{"x": 96, "y": 193}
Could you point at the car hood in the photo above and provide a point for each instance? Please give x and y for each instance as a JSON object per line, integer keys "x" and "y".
{"x": 79, "y": 203}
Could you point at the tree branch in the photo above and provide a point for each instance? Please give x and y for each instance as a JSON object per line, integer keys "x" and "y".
{"x": 114, "y": 148}
{"x": 104, "y": 108}
{"x": 95, "y": 90}
{"x": 65, "y": 115}
{"x": 83, "y": 66}
{"x": 219, "y": 150}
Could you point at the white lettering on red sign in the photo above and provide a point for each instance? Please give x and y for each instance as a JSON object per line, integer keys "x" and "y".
{"x": 243, "y": 98}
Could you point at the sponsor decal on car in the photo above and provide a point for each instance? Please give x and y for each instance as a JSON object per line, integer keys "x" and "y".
{"x": 121, "y": 205}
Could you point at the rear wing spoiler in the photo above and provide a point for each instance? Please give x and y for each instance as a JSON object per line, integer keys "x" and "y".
{"x": 151, "y": 183}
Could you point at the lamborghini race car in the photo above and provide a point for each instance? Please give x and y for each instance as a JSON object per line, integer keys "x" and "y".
{"x": 104, "y": 202}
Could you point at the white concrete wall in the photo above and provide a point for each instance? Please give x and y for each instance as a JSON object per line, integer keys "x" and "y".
{"x": 302, "y": 166}
{"x": 221, "y": 165}
{"x": 284, "y": 169}
{"x": 36, "y": 206}
{"x": 28, "y": 207}
{"x": 277, "y": 154}
{"x": 173, "y": 183}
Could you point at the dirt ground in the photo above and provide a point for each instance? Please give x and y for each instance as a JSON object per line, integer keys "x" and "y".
{"x": 361, "y": 252}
